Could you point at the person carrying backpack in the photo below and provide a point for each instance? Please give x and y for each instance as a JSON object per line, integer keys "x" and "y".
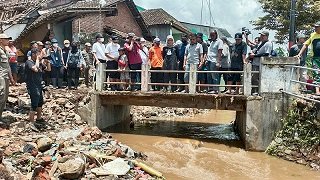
{"x": 74, "y": 64}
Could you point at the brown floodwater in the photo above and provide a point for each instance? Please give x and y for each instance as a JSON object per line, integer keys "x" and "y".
{"x": 204, "y": 147}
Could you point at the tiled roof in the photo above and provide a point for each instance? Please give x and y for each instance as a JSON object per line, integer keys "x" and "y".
{"x": 160, "y": 17}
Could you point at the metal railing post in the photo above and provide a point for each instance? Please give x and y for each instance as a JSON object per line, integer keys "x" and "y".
{"x": 193, "y": 78}
{"x": 100, "y": 76}
{"x": 145, "y": 78}
{"x": 247, "y": 77}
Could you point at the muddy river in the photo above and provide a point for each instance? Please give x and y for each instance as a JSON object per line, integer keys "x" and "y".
{"x": 204, "y": 147}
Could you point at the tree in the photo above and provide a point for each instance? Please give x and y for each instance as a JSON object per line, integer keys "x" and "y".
{"x": 277, "y": 17}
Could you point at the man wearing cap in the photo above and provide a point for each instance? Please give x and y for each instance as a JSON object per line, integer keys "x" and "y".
{"x": 132, "y": 48}
{"x": 4, "y": 72}
{"x": 214, "y": 61}
{"x": 88, "y": 58}
{"x": 112, "y": 54}
{"x": 202, "y": 77}
{"x": 238, "y": 59}
{"x": 315, "y": 41}
{"x": 12, "y": 51}
{"x": 263, "y": 50}
{"x": 156, "y": 61}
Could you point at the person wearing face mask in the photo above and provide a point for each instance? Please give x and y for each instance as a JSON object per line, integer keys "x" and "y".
{"x": 170, "y": 62}
{"x": 57, "y": 64}
{"x": 65, "y": 52}
{"x": 182, "y": 50}
{"x": 75, "y": 63}
{"x": 45, "y": 54}
{"x": 99, "y": 50}
{"x": 156, "y": 61}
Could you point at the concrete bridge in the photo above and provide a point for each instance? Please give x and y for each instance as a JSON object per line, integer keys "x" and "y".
{"x": 257, "y": 118}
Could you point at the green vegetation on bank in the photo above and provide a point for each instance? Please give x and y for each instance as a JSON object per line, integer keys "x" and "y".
{"x": 299, "y": 138}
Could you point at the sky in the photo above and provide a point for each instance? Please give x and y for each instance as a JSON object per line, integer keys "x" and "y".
{"x": 229, "y": 14}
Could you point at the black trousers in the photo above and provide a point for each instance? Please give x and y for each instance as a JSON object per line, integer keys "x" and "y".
{"x": 170, "y": 77}
{"x": 73, "y": 75}
{"x": 156, "y": 77}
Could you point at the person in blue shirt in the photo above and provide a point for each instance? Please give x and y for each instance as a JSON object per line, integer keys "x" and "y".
{"x": 57, "y": 64}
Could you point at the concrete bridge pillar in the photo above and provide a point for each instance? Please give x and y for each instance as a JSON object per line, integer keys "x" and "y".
{"x": 262, "y": 117}
{"x": 106, "y": 115}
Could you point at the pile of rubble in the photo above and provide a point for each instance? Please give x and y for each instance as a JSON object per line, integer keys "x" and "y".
{"x": 141, "y": 113}
{"x": 69, "y": 149}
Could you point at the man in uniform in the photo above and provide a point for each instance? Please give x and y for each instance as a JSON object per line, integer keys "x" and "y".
{"x": 4, "y": 72}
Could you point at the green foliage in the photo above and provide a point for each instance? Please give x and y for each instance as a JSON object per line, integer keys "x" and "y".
{"x": 300, "y": 134}
{"x": 281, "y": 52}
{"x": 278, "y": 17}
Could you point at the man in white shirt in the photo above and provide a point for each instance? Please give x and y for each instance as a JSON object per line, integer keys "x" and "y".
{"x": 99, "y": 49}
{"x": 214, "y": 61}
{"x": 112, "y": 54}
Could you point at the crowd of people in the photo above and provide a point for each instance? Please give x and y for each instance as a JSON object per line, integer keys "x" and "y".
{"x": 215, "y": 55}
{"x": 48, "y": 65}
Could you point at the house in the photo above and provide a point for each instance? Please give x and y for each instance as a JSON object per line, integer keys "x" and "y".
{"x": 195, "y": 28}
{"x": 68, "y": 19}
{"x": 161, "y": 24}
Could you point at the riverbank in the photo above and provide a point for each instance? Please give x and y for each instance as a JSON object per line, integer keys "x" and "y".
{"x": 299, "y": 139}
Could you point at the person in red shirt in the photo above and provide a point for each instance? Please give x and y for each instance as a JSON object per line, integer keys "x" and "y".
{"x": 132, "y": 48}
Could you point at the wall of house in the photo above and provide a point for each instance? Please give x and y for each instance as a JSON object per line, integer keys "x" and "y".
{"x": 160, "y": 31}
{"x": 124, "y": 22}
{"x": 36, "y": 35}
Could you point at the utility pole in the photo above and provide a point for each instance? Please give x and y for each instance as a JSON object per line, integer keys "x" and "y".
{"x": 292, "y": 23}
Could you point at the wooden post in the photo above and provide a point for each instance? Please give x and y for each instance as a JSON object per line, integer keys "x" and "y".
{"x": 145, "y": 78}
{"x": 247, "y": 76}
{"x": 100, "y": 76}
{"x": 193, "y": 79}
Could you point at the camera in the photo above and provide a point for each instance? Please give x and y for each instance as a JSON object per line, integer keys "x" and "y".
{"x": 246, "y": 31}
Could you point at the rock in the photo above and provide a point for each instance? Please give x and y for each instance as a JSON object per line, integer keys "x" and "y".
{"x": 44, "y": 144}
{"x": 4, "y": 132}
{"x": 69, "y": 105}
{"x": 90, "y": 134}
{"x": 61, "y": 101}
{"x": 24, "y": 102}
{"x": 315, "y": 166}
{"x": 40, "y": 173}
{"x": 77, "y": 118}
{"x": 288, "y": 151}
{"x": 116, "y": 167}
{"x": 12, "y": 100}
{"x": 4, "y": 174}
{"x": 302, "y": 161}
{"x": 72, "y": 168}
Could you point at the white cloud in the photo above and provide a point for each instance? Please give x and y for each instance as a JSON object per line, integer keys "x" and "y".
{"x": 229, "y": 14}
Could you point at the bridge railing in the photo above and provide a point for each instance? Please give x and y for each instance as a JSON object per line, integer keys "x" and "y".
{"x": 145, "y": 80}
{"x": 303, "y": 93}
